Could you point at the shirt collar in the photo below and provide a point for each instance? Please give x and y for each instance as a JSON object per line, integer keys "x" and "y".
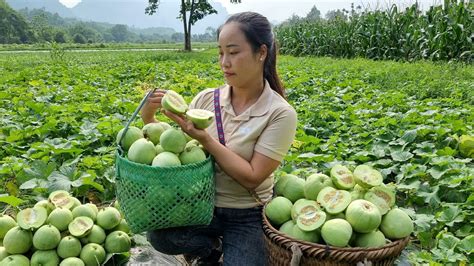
{"x": 259, "y": 108}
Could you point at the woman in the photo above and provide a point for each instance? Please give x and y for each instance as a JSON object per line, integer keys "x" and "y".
{"x": 258, "y": 129}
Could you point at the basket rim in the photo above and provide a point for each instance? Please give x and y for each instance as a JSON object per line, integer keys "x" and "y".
{"x": 180, "y": 167}
{"x": 288, "y": 241}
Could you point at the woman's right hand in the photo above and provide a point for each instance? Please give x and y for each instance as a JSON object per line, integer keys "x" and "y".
{"x": 152, "y": 105}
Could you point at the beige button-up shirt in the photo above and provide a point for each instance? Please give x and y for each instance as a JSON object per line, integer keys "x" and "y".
{"x": 267, "y": 127}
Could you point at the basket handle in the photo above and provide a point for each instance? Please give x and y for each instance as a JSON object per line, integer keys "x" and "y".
{"x": 296, "y": 255}
{"x": 134, "y": 115}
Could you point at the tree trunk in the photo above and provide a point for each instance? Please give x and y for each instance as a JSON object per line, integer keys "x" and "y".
{"x": 187, "y": 39}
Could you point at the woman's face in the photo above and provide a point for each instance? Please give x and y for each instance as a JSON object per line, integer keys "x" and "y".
{"x": 241, "y": 66}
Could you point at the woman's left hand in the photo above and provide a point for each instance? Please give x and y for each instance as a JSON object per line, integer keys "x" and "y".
{"x": 187, "y": 126}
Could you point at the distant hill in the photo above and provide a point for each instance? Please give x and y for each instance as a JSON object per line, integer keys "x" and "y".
{"x": 128, "y": 12}
{"x": 15, "y": 28}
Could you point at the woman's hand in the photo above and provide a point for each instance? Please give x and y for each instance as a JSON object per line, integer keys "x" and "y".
{"x": 187, "y": 126}
{"x": 152, "y": 105}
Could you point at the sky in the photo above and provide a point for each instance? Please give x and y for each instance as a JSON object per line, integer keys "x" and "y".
{"x": 280, "y": 10}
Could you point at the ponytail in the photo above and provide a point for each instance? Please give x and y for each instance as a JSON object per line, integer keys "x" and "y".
{"x": 270, "y": 72}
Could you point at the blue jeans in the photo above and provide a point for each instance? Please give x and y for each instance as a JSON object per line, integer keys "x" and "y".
{"x": 240, "y": 229}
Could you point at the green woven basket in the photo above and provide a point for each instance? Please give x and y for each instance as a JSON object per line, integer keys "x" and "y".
{"x": 161, "y": 197}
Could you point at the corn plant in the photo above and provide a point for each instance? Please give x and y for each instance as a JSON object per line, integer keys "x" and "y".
{"x": 444, "y": 32}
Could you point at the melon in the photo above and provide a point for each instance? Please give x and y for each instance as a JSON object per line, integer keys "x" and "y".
{"x": 201, "y": 118}
{"x": 133, "y": 133}
{"x": 173, "y": 140}
{"x": 142, "y": 151}
{"x": 174, "y": 102}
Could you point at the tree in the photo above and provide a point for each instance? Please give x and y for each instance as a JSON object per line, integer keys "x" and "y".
{"x": 336, "y": 14}
{"x": 314, "y": 14}
{"x": 13, "y": 26}
{"x": 119, "y": 32}
{"x": 60, "y": 36}
{"x": 79, "y": 38}
{"x": 191, "y": 11}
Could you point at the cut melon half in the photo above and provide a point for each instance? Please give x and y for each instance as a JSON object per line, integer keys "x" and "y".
{"x": 201, "y": 118}
{"x": 174, "y": 102}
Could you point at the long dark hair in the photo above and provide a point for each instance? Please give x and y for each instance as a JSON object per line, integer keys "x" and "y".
{"x": 258, "y": 31}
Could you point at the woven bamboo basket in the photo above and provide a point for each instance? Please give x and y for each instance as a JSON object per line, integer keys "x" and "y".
{"x": 284, "y": 250}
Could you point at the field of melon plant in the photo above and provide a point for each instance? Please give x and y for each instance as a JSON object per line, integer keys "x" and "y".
{"x": 59, "y": 116}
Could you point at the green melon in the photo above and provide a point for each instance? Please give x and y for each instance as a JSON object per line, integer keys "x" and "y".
{"x": 310, "y": 236}
{"x": 372, "y": 239}
{"x": 108, "y": 218}
{"x": 337, "y": 232}
{"x": 342, "y": 177}
{"x": 18, "y": 240}
{"x": 84, "y": 210}
{"x": 396, "y": 224}
{"x": 142, "y": 151}
{"x": 93, "y": 254}
{"x": 60, "y": 218}
{"x": 278, "y": 210}
{"x": 201, "y": 118}
{"x": 117, "y": 242}
{"x": 363, "y": 216}
{"x": 32, "y": 218}
{"x": 294, "y": 189}
{"x": 96, "y": 235}
{"x": 69, "y": 246}
{"x": 166, "y": 159}
{"x": 6, "y": 223}
{"x": 46, "y": 237}
{"x": 15, "y": 260}
{"x": 315, "y": 183}
{"x": 45, "y": 258}
{"x": 174, "y": 102}
{"x": 133, "y": 134}
{"x": 334, "y": 200}
{"x": 310, "y": 217}
{"x": 61, "y": 199}
{"x": 192, "y": 155}
{"x": 80, "y": 226}
{"x": 367, "y": 177}
{"x": 173, "y": 140}
{"x": 72, "y": 261}
{"x": 382, "y": 196}
{"x": 3, "y": 253}
{"x": 153, "y": 131}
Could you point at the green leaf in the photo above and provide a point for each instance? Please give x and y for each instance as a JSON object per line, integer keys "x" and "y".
{"x": 437, "y": 172}
{"x": 34, "y": 183}
{"x": 401, "y": 156}
{"x": 451, "y": 215}
{"x": 415, "y": 185}
{"x": 446, "y": 151}
{"x": 59, "y": 181}
{"x": 465, "y": 230}
{"x": 11, "y": 200}
{"x": 467, "y": 244}
{"x": 426, "y": 239}
{"x": 424, "y": 222}
{"x": 89, "y": 181}
{"x": 409, "y": 136}
{"x": 431, "y": 197}
{"x": 448, "y": 241}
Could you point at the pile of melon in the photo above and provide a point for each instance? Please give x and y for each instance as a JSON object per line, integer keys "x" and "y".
{"x": 160, "y": 144}
{"x": 343, "y": 209}
{"x": 62, "y": 231}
